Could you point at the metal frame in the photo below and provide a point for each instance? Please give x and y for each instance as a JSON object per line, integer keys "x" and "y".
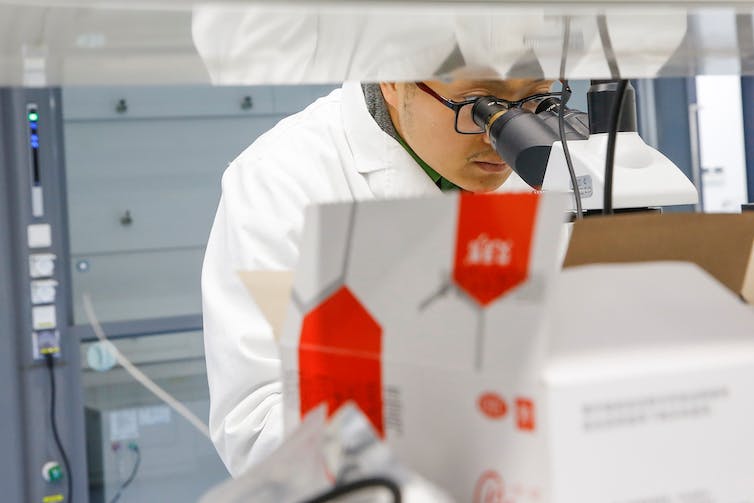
{"x": 694, "y": 147}
{"x": 12, "y": 457}
{"x": 140, "y": 328}
{"x": 747, "y": 97}
{"x": 26, "y": 386}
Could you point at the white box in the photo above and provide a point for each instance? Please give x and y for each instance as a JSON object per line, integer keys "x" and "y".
{"x": 650, "y": 386}
{"x": 520, "y": 394}
{"x": 393, "y": 307}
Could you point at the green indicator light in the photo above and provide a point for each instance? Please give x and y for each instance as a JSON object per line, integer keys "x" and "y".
{"x": 55, "y": 473}
{"x": 33, "y": 117}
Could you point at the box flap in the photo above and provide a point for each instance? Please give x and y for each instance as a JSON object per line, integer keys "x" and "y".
{"x": 721, "y": 244}
{"x": 271, "y": 290}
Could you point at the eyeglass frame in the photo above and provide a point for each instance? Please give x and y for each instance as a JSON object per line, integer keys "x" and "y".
{"x": 457, "y": 105}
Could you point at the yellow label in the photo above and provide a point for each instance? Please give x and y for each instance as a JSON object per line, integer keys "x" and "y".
{"x": 53, "y": 498}
{"x": 49, "y": 351}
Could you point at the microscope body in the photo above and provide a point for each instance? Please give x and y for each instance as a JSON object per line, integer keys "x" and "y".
{"x": 643, "y": 177}
{"x": 530, "y": 142}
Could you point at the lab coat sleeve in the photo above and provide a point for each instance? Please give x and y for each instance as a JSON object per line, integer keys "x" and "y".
{"x": 256, "y": 227}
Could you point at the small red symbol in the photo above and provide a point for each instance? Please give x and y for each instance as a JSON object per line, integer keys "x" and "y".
{"x": 489, "y": 488}
{"x": 525, "y": 414}
{"x": 492, "y": 405}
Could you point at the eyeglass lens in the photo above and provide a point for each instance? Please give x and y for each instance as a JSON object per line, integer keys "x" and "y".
{"x": 465, "y": 121}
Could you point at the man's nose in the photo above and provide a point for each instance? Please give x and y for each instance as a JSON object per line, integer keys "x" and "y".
{"x": 486, "y": 138}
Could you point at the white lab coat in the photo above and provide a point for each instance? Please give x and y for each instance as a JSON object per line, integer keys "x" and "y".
{"x": 331, "y": 151}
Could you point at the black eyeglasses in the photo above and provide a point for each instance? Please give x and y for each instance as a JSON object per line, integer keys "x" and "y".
{"x": 464, "y": 123}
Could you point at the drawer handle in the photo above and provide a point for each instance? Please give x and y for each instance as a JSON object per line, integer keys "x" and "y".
{"x": 126, "y": 219}
{"x": 247, "y": 103}
{"x": 121, "y": 107}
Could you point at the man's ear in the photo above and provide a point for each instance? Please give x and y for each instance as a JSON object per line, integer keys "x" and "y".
{"x": 390, "y": 93}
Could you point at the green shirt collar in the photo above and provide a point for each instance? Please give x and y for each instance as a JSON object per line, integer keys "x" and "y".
{"x": 442, "y": 183}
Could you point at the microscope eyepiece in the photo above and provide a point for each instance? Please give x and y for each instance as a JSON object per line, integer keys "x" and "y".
{"x": 487, "y": 110}
{"x": 521, "y": 138}
{"x": 576, "y": 122}
{"x": 524, "y": 139}
{"x": 551, "y": 104}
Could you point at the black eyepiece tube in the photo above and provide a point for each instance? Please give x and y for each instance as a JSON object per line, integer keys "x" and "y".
{"x": 522, "y": 139}
{"x": 576, "y": 123}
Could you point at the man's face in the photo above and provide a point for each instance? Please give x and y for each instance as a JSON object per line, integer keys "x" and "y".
{"x": 428, "y": 126}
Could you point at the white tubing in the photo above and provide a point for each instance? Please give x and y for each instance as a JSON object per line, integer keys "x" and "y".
{"x": 138, "y": 374}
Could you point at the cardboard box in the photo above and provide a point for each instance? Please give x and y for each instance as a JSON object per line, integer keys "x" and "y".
{"x": 721, "y": 244}
{"x": 617, "y": 383}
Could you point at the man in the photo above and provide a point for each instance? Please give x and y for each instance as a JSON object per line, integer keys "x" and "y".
{"x": 360, "y": 142}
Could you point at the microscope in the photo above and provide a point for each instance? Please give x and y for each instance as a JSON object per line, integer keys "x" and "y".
{"x": 530, "y": 142}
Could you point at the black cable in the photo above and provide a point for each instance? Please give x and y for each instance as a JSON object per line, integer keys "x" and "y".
{"x": 564, "y": 141}
{"x": 612, "y": 136}
{"x": 357, "y": 485}
{"x": 132, "y": 476}
{"x": 564, "y": 97}
{"x": 49, "y": 360}
{"x": 607, "y": 46}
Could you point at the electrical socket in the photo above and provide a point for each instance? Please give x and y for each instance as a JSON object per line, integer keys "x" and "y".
{"x": 45, "y": 342}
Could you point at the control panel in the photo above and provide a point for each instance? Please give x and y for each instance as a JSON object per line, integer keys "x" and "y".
{"x": 43, "y": 284}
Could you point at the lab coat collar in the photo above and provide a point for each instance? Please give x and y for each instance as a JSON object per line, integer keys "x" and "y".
{"x": 376, "y": 151}
{"x": 370, "y": 145}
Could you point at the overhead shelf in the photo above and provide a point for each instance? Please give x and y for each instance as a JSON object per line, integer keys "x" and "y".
{"x": 183, "y": 42}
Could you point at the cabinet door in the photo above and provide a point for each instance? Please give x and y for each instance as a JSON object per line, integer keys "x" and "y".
{"x": 143, "y": 168}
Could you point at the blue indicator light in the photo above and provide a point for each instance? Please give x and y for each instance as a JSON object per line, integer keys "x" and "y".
{"x": 33, "y": 126}
{"x": 34, "y": 138}
{"x": 35, "y": 144}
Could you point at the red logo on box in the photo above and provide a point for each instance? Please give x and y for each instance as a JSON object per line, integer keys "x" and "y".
{"x": 492, "y": 405}
{"x": 525, "y": 414}
{"x": 489, "y": 488}
{"x": 493, "y": 243}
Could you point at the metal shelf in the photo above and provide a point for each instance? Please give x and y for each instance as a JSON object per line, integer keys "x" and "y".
{"x": 182, "y": 42}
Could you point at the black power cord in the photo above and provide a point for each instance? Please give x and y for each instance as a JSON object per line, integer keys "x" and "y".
{"x": 135, "y": 448}
{"x": 607, "y": 46}
{"x": 50, "y": 363}
{"x": 358, "y": 485}
{"x": 612, "y": 133}
{"x": 564, "y": 97}
{"x": 612, "y": 136}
